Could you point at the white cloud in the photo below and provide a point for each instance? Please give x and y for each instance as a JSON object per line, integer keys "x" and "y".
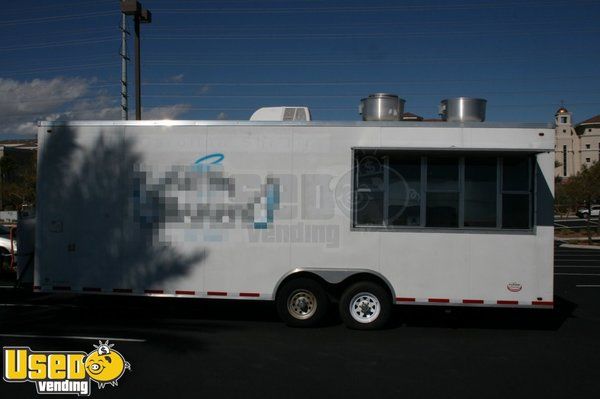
{"x": 175, "y": 78}
{"x": 222, "y": 116}
{"x": 165, "y": 112}
{"x": 204, "y": 89}
{"x": 21, "y": 103}
{"x": 24, "y": 102}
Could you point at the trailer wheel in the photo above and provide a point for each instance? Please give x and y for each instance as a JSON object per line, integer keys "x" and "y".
{"x": 365, "y": 306}
{"x": 4, "y": 259}
{"x": 302, "y": 302}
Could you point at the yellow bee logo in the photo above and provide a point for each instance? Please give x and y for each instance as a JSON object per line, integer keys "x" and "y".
{"x": 105, "y": 365}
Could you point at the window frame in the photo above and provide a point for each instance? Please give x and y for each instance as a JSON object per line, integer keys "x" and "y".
{"x": 423, "y": 155}
{"x": 530, "y": 192}
{"x": 564, "y": 165}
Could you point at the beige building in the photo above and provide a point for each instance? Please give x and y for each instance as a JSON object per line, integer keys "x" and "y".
{"x": 589, "y": 136}
{"x": 575, "y": 145}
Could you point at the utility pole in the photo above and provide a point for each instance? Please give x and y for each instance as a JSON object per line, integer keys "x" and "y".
{"x": 124, "y": 60}
{"x": 140, "y": 15}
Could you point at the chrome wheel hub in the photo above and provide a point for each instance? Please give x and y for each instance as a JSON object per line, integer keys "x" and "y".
{"x": 365, "y": 307}
{"x": 302, "y": 304}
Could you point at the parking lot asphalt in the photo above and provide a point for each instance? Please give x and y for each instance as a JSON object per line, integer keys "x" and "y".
{"x": 230, "y": 349}
{"x": 576, "y": 223}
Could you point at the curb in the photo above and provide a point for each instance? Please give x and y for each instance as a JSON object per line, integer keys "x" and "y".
{"x": 575, "y": 246}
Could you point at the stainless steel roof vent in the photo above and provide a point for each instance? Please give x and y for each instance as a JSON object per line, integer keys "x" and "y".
{"x": 463, "y": 109}
{"x": 381, "y": 107}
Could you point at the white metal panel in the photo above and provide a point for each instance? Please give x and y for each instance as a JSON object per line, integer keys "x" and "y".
{"x": 502, "y": 260}
{"x": 442, "y": 137}
{"x": 448, "y": 137}
{"x": 173, "y": 259}
{"x": 324, "y": 158}
{"x": 79, "y": 192}
{"x": 108, "y": 215}
{"x": 247, "y": 258}
{"x": 426, "y": 264}
{"x": 523, "y": 139}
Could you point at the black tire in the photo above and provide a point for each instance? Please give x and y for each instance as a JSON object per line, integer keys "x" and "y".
{"x": 377, "y": 304}
{"x": 4, "y": 260}
{"x": 302, "y": 302}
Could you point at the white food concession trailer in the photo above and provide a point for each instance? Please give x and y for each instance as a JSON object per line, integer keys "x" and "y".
{"x": 366, "y": 214}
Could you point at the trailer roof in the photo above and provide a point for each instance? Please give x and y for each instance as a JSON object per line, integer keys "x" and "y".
{"x": 490, "y": 125}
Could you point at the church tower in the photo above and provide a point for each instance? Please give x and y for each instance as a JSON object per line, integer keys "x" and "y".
{"x": 567, "y": 149}
{"x": 563, "y": 117}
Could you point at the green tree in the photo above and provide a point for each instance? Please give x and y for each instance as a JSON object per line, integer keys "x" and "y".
{"x": 584, "y": 188}
{"x": 18, "y": 183}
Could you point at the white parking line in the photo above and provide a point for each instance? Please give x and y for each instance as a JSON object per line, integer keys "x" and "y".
{"x": 71, "y": 337}
{"x": 33, "y": 305}
{"x": 576, "y": 267}
{"x": 577, "y": 274}
{"x": 25, "y": 305}
{"x": 566, "y": 255}
{"x": 587, "y": 286}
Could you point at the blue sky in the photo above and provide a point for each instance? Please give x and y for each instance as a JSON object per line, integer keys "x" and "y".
{"x": 224, "y": 59}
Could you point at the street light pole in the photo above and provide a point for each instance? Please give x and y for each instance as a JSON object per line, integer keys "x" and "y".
{"x": 124, "y": 59}
{"x": 140, "y": 15}
{"x": 138, "y": 72}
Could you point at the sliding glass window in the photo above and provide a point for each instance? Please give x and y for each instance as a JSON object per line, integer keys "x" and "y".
{"x": 480, "y": 192}
{"x": 403, "y": 189}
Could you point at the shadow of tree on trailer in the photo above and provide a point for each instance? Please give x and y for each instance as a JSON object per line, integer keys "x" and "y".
{"x": 90, "y": 234}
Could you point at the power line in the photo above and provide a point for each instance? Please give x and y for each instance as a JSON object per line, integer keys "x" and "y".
{"x": 354, "y": 25}
{"x": 294, "y": 96}
{"x": 21, "y": 36}
{"x": 367, "y": 9}
{"x": 55, "y": 6}
{"x": 333, "y": 62}
{"x": 341, "y": 108}
{"x": 60, "y": 44}
{"x": 406, "y": 94}
{"x": 56, "y": 18}
{"x": 366, "y": 82}
{"x": 270, "y": 36}
{"x": 58, "y": 69}
{"x": 333, "y": 36}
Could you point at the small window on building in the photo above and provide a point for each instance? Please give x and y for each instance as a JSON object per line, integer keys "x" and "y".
{"x": 563, "y": 119}
{"x": 564, "y": 162}
{"x": 587, "y": 146}
{"x": 564, "y": 130}
{"x": 589, "y": 130}
{"x": 588, "y": 160}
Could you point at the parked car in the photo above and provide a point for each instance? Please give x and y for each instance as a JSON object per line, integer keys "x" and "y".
{"x": 584, "y": 212}
{"x": 5, "y": 246}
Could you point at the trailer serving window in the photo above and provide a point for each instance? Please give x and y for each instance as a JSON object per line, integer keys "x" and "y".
{"x": 404, "y": 189}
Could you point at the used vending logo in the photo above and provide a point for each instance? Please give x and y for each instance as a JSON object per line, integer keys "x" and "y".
{"x": 55, "y": 372}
